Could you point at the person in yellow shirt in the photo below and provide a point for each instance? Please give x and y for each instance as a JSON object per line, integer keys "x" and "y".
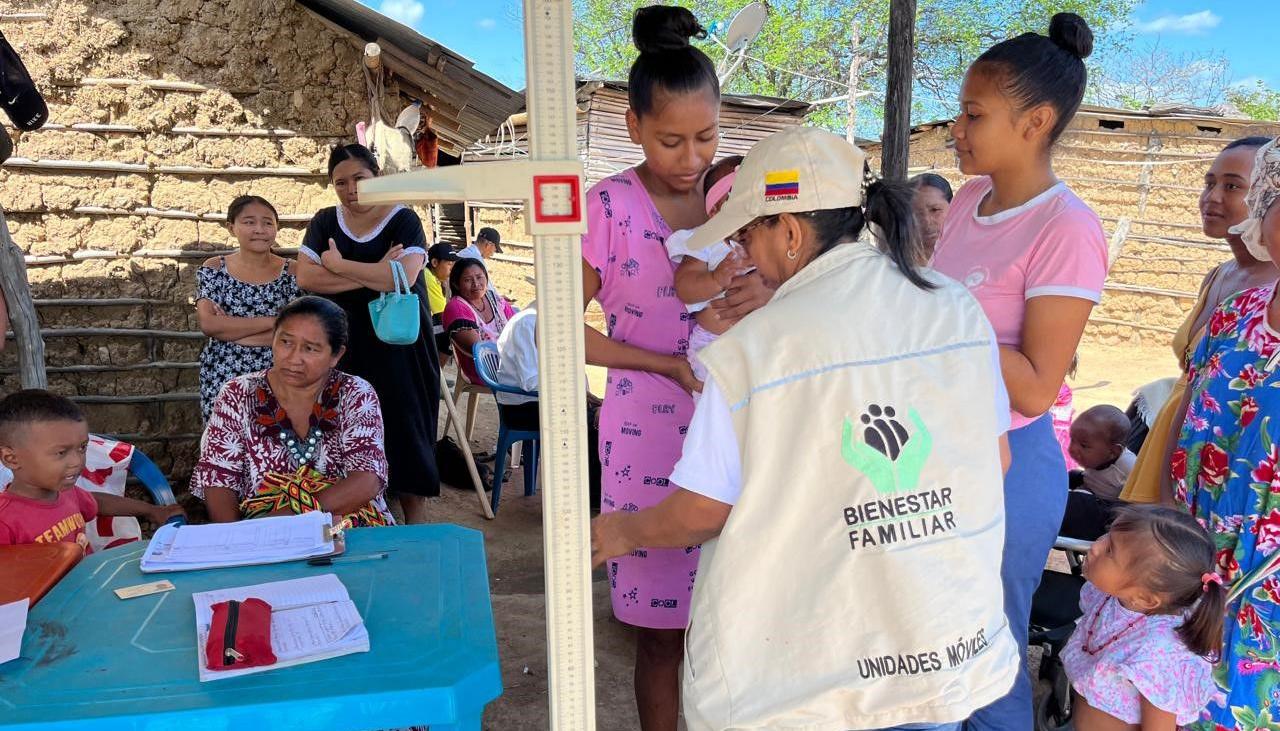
{"x": 440, "y": 259}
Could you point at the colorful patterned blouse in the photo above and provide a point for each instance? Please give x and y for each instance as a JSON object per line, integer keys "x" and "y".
{"x": 248, "y": 437}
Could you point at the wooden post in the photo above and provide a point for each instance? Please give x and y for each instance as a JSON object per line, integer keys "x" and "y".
{"x": 855, "y": 61}
{"x": 22, "y": 312}
{"x": 1118, "y": 239}
{"x": 895, "y": 142}
{"x": 1154, "y": 145}
{"x": 373, "y": 56}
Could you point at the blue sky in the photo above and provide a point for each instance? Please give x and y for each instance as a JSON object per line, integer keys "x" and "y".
{"x": 486, "y": 32}
{"x": 1244, "y": 32}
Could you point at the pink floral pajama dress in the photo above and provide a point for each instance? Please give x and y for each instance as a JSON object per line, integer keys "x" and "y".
{"x": 645, "y": 416}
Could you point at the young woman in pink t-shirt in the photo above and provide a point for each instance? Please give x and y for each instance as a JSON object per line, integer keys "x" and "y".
{"x": 1035, "y": 257}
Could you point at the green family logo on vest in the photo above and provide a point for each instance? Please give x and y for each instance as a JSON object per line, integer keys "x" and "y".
{"x": 889, "y": 456}
{"x": 893, "y": 458}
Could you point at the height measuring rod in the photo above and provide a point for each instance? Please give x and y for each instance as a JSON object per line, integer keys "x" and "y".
{"x": 550, "y": 184}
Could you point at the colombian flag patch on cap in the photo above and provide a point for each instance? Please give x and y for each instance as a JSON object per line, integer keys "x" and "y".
{"x": 782, "y": 185}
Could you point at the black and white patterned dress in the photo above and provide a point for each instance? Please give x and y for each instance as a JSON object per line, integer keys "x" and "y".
{"x": 220, "y": 361}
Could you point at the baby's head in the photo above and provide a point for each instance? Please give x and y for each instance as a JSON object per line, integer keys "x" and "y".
{"x": 42, "y": 439}
{"x": 717, "y": 182}
{"x": 1097, "y": 436}
{"x": 1159, "y": 560}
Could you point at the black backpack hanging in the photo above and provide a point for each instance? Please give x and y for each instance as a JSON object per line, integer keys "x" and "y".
{"x": 19, "y": 97}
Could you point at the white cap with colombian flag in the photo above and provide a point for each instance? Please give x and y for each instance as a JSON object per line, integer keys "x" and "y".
{"x": 797, "y": 170}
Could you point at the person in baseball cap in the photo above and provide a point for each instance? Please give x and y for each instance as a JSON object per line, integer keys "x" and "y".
{"x": 488, "y": 242}
{"x": 865, "y": 379}
{"x": 441, "y": 253}
{"x": 440, "y": 259}
{"x": 798, "y": 194}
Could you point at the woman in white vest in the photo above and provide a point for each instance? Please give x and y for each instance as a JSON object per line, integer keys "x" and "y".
{"x": 842, "y": 470}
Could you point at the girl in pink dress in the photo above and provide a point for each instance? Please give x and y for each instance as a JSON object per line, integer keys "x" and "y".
{"x": 1153, "y": 611}
{"x": 1063, "y": 414}
{"x": 674, "y": 116}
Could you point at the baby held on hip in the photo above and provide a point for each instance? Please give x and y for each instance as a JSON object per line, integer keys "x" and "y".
{"x": 704, "y": 276}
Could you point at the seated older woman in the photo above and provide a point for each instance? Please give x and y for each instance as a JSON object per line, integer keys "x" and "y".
{"x": 475, "y": 312}
{"x": 300, "y": 424}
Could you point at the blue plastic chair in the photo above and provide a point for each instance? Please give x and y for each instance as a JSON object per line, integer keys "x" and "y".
{"x": 145, "y": 471}
{"x": 151, "y": 478}
{"x": 486, "y": 358}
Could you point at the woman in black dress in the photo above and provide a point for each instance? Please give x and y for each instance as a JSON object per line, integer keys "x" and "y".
{"x": 346, "y": 257}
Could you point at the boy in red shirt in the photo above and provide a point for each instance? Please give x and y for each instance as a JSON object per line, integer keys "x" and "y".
{"x": 42, "y": 440}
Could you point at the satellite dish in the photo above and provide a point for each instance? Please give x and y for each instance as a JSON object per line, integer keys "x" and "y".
{"x": 745, "y": 26}
{"x": 743, "y": 29}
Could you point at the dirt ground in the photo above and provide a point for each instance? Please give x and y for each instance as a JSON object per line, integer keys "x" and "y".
{"x": 513, "y": 546}
{"x": 1108, "y": 374}
{"x": 513, "y": 541}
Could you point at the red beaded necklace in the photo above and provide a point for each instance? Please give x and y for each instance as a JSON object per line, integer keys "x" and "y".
{"x": 1093, "y": 624}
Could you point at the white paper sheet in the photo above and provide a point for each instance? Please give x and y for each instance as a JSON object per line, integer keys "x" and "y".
{"x": 244, "y": 543}
{"x": 299, "y": 633}
{"x": 311, "y": 619}
{"x": 13, "y": 624}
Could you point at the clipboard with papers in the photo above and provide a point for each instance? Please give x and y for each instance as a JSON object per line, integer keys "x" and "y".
{"x": 244, "y": 543}
{"x": 312, "y": 619}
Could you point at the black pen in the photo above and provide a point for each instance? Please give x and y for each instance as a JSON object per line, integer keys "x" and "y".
{"x": 329, "y": 560}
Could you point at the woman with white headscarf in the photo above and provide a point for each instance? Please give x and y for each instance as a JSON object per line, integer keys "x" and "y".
{"x": 1226, "y": 466}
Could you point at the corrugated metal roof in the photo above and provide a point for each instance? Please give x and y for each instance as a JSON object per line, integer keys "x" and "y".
{"x": 466, "y": 104}
{"x": 1160, "y": 111}
{"x": 1172, "y": 111}
{"x": 749, "y": 101}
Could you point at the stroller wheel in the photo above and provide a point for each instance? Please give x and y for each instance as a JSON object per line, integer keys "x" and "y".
{"x": 1052, "y": 714}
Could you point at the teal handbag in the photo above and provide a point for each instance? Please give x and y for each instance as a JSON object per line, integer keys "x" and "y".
{"x": 396, "y": 315}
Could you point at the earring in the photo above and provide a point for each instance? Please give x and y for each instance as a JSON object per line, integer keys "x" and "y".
{"x": 792, "y": 254}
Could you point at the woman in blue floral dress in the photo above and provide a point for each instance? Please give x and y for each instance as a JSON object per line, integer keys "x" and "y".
{"x": 1226, "y": 469}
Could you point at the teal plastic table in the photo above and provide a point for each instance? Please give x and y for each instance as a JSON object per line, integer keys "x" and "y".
{"x": 93, "y": 662}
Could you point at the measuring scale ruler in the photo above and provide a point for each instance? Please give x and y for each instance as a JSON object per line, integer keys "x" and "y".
{"x": 550, "y": 184}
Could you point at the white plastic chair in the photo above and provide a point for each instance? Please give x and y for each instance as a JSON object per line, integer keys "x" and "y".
{"x": 462, "y": 385}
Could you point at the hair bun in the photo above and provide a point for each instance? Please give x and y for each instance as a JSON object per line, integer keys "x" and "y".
{"x": 1071, "y": 33}
{"x": 661, "y": 28}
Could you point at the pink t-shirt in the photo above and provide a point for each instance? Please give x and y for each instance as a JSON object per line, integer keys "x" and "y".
{"x": 460, "y": 315}
{"x": 1052, "y": 245}
{"x": 23, "y": 520}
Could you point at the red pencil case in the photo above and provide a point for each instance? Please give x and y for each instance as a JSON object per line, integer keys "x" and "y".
{"x": 240, "y": 636}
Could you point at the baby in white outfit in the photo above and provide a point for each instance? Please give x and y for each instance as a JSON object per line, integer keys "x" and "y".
{"x": 705, "y": 274}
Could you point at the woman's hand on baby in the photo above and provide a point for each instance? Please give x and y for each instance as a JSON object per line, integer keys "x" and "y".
{"x": 735, "y": 264}
{"x": 744, "y": 295}
{"x": 682, "y": 373}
